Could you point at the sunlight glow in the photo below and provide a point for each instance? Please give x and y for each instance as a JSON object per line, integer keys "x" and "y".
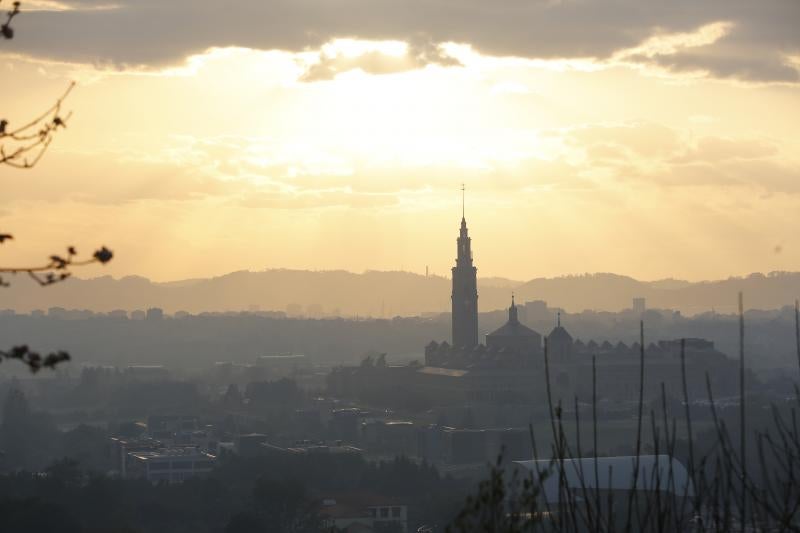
{"x": 359, "y": 47}
{"x": 378, "y": 137}
{"x": 671, "y": 43}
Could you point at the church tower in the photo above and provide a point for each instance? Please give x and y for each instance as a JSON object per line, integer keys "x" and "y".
{"x": 465, "y": 290}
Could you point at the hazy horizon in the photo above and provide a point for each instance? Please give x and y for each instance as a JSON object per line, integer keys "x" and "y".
{"x": 385, "y": 294}
{"x": 498, "y": 280}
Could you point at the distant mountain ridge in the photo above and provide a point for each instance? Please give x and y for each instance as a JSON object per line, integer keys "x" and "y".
{"x": 378, "y": 293}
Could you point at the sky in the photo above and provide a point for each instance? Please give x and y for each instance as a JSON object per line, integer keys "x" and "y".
{"x": 646, "y": 138}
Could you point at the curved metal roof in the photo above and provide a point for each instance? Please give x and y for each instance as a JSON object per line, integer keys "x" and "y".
{"x": 613, "y": 473}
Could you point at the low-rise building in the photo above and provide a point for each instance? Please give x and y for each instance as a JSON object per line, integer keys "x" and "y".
{"x": 121, "y": 449}
{"x": 308, "y": 447}
{"x": 363, "y": 512}
{"x": 283, "y": 365}
{"x": 393, "y": 437}
{"x": 172, "y": 465}
{"x": 249, "y": 444}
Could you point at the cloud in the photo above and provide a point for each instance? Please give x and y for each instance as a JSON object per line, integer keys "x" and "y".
{"x": 310, "y": 199}
{"x": 716, "y": 49}
{"x": 112, "y": 179}
{"x": 590, "y": 158}
{"x": 644, "y": 139}
{"x": 259, "y": 173}
{"x": 375, "y": 59}
{"x": 718, "y": 149}
{"x": 745, "y": 40}
{"x": 651, "y": 154}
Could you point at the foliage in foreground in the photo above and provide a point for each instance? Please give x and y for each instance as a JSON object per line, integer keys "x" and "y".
{"x": 743, "y": 474}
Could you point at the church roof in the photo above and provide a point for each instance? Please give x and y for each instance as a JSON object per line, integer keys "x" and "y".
{"x": 559, "y": 333}
{"x": 513, "y": 328}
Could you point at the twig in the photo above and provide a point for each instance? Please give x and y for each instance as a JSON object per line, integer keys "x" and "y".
{"x": 57, "y": 268}
{"x": 34, "y": 360}
{"x": 5, "y": 29}
{"x": 33, "y": 137}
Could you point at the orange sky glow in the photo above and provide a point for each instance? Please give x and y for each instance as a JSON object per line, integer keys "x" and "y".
{"x": 350, "y": 154}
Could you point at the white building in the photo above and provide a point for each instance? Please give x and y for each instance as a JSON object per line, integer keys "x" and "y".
{"x": 654, "y": 473}
{"x": 364, "y": 513}
{"x": 173, "y": 465}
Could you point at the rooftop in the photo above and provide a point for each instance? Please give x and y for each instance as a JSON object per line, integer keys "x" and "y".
{"x": 559, "y": 334}
{"x": 513, "y": 328}
{"x": 169, "y": 453}
{"x": 615, "y": 473}
{"x": 282, "y": 356}
{"x": 436, "y": 371}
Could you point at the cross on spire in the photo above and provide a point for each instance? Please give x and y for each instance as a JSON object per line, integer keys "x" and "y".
{"x": 463, "y": 194}
{"x": 512, "y": 311}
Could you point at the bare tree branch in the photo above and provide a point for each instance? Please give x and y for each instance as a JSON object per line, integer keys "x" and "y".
{"x": 34, "y": 360}
{"x": 24, "y": 146}
{"x": 57, "y": 268}
{"x": 6, "y": 29}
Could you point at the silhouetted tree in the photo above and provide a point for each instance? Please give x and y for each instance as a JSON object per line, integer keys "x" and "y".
{"x": 245, "y": 522}
{"x": 25, "y": 436}
{"x": 88, "y": 445}
{"x": 282, "y": 392}
{"x": 283, "y": 506}
{"x": 499, "y": 504}
{"x": 65, "y": 472}
{"x": 232, "y": 399}
{"x": 36, "y": 516}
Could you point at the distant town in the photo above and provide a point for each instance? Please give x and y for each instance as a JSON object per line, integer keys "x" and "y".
{"x": 172, "y": 398}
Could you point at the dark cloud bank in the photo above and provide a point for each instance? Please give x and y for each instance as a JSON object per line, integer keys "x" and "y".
{"x": 156, "y": 32}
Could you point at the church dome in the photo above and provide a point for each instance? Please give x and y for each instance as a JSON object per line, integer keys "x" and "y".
{"x": 559, "y": 334}
{"x": 513, "y": 328}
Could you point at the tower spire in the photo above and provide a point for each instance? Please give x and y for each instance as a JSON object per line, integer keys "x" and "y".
{"x": 512, "y": 311}
{"x": 559, "y": 319}
{"x": 465, "y": 288}
{"x": 463, "y": 195}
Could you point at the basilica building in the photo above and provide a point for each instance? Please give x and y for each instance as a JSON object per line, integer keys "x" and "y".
{"x": 509, "y": 364}
{"x": 512, "y": 365}
{"x": 513, "y": 344}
